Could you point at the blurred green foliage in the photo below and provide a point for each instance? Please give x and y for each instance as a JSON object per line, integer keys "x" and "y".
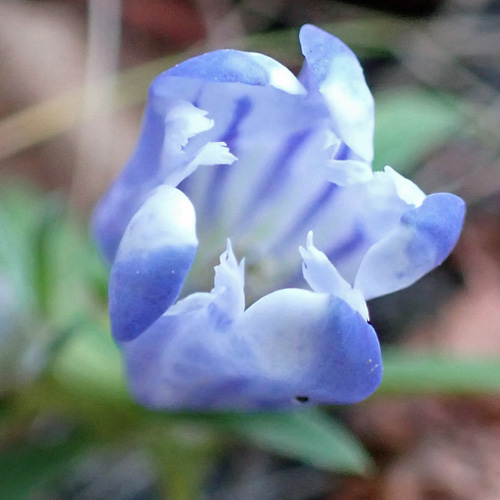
{"x": 410, "y": 124}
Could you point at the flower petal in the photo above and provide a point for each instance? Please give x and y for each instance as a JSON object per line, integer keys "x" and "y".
{"x": 154, "y": 256}
{"x": 346, "y": 221}
{"x": 177, "y": 135}
{"x": 188, "y": 358}
{"x": 289, "y": 348}
{"x": 166, "y": 153}
{"x": 346, "y": 172}
{"x": 407, "y": 190}
{"x": 421, "y": 241}
{"x": 332, "y": 69}
{"x": 322, "y": 277}
{"x": 229, "y": 282}
{"x": 181, "y": 361}
{"x": 234, "y": 66}
{"x": 311, "y": 347}
{"x": 301, "y": 150}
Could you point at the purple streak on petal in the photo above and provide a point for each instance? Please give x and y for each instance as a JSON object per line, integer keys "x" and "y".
{"x": 318, "y": 204}
{"x": 344, "y": 152}
{"x": 348, "y": 247}
{"x": 280, "y": 166}
{"x": 275, "y": 174}
{"x": 303, "y": 221}
{"x": 243, "y": 108}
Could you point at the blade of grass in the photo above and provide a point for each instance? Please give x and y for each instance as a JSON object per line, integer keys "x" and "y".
{"x": 407, "y": 373}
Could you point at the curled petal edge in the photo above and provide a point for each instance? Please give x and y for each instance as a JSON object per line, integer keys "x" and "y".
{"x": 424, "y": 237}
{"x": 332, "y": 69}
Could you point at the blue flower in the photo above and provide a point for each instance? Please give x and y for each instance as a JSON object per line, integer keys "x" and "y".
{"x": 234, "y": 145}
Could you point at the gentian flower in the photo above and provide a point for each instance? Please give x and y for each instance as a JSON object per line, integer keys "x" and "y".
{"x": 233, "y": 145}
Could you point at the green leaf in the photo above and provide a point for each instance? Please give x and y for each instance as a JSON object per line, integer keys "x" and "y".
{"x": 309, "y": 436}
{"x": 410, "y": 124}
{"x": 407, "y": 373}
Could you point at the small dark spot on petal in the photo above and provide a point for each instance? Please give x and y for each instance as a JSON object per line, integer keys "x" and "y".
{"x": 301, "y": 399}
